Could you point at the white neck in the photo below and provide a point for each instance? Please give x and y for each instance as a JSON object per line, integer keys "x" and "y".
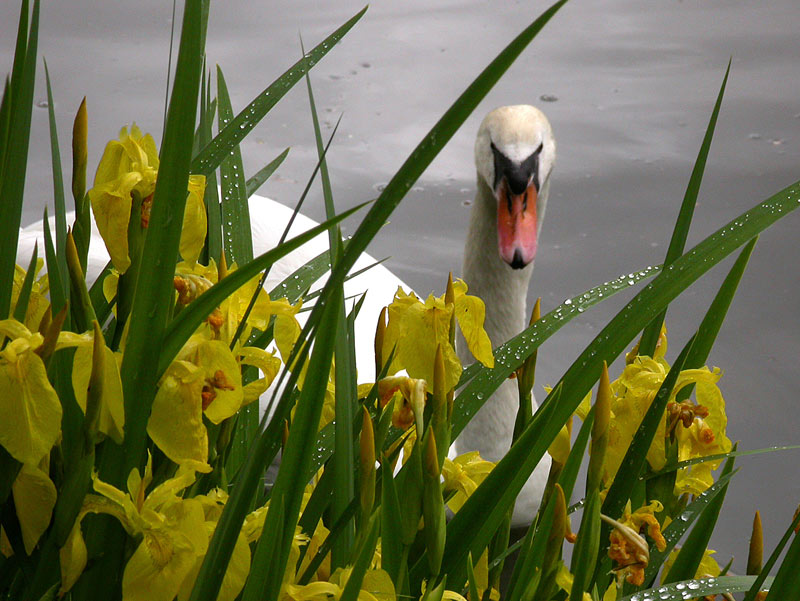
{"x": 504, "y": 291}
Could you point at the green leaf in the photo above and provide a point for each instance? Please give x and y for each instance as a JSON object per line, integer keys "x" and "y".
{"x": 236, "y": 232}
{"x": 701, "y": 587}
{"x": 58, "y": 298}
{"x": 481, "y": 382}
{"x": 213, "y": 154}
{"x": 682, "y": 464}
{"x": 392, "y": 557}
{"x": 21, "y": 308}
{"x": 691, "y": 553}
{"x": 712, "y": 322}
{"x": 586, "y": 547}
{"x": 296, "y": 460}
{"x": 152, "y": 302}
{"x": 681, "y": 230}
{"x": 15, "y": 155}
{"x": 263, "y": 174}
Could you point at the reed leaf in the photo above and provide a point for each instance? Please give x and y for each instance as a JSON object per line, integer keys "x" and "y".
{"x": 690, "y": 589}
{"x": 263, "y": 174}
{"x": 15, "y": 155}
{"x": 681, "y": 231}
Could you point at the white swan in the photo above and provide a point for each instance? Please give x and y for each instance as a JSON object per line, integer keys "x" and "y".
{"x": 514, "y": 155}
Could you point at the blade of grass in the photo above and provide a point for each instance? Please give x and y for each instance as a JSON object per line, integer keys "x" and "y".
{"x": 352, "y": 589}
{"x": 343, "y": 462}
{"x": 263, "y": 174}
{"x": 679, "y": 234}
{"x": 712, "y": 322}
{"x": 509, "y": 356}
{"x": 213, "y": 154}
{"x": 15, "y": 159}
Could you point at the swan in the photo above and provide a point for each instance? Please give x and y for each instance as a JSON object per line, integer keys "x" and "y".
{"x": 514, "y": 155}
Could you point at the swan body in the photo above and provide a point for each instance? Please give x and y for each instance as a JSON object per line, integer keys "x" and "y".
{"x": 268, "y": 219}
{"x": 514, "y": 155}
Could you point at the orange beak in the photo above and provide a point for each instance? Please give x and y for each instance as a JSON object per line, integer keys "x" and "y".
{"x": 516, "y": 225}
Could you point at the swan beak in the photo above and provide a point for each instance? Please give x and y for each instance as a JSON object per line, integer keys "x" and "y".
{"x": 516, "y": 225}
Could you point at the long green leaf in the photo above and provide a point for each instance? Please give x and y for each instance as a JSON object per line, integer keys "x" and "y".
{"x": 712, "y": 322}
{"x": 716, "y": 457}
{"x": 691, "y": 589}
{"x": 15, "y": 159}
{"x": 296, "y": 460}
{"x": 366, "y": 553}
{"x": 481, "y": 381}
{"x": 236, "y": 232}
{"x": 263, "y": 174}
{"x": 152, "y": 301}
{"x": 213, "y": 154}
{"x": 681, "y": 231}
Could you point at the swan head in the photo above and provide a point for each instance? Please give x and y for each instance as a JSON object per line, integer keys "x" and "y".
{"x": 514, "y": 154}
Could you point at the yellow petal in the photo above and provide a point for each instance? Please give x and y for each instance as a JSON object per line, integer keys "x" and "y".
{"x": 471, "y": 314}
{"x": 111, "y": 206}
{"x": 34, "y": 497}
{"x": 176, "y": 419}
{"x": 222, "y": 376}
{"x": 30, "y": 413}
{"x": 195, "y": 225}
{"x": 72, "y": 558}
{"x": 266, "y": 362}
{"x": 111, "y": 420}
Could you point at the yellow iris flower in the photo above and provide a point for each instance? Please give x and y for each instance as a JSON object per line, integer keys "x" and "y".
{"x": 416, "y": 328}
{"x": 635, "y": 390}
{"x": 128, "y": 165}
{"x": 171, "y": 529}
{"x": 463, "y": 475}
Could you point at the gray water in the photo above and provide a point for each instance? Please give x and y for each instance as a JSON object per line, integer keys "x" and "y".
{"x": 628, "y": 87}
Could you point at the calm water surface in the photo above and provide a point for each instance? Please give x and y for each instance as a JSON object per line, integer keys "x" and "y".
{"x": 628, "y": 87}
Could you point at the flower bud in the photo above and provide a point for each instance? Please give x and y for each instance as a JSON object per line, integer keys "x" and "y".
{"x": 756, "y": 553}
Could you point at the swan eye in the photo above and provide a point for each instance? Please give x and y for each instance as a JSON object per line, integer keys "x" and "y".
{"x": 518, "y": 175}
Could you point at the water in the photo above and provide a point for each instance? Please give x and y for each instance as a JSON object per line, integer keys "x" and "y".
{"x": 629, "y": 93}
